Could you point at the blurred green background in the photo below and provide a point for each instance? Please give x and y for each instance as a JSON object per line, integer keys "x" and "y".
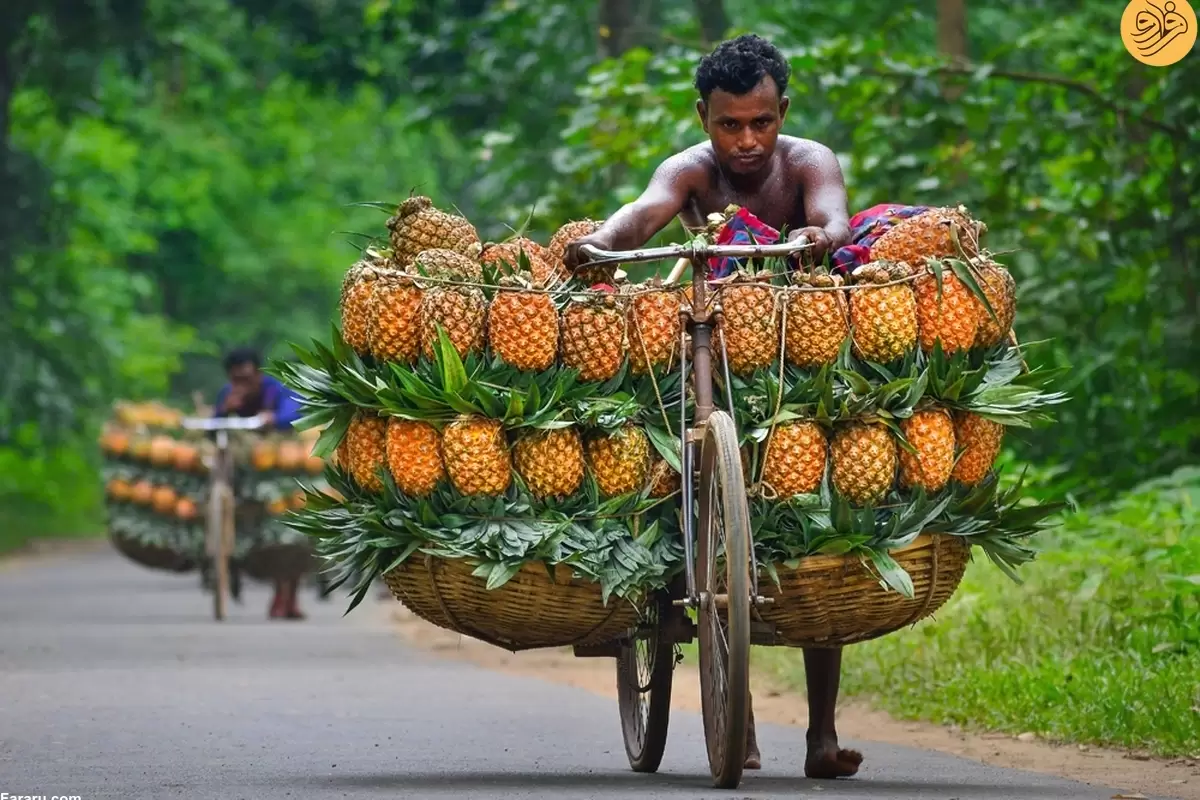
{"x": 175, "y": 176}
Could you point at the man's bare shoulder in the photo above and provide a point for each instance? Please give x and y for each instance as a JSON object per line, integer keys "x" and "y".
{"x": 806, "y": 154}
{"x": 698, "y": 161}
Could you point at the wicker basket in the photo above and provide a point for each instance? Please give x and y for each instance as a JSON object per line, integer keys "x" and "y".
{"x": 278, "y": 562}
{"x": 151, "y": 556}
{"x": 528, "y": 612}
{"x": 830, "y": 601}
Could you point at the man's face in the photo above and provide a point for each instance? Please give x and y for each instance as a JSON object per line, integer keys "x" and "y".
{"x": 245, "y": 378}
{"x": 743, "y": 129}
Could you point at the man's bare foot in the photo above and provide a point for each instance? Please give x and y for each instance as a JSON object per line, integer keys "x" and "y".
{"x": 753, "y": 757}
{"x": 826, "y": 760}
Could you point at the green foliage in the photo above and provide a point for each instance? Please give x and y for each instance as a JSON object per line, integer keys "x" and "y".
{"x": 1050, "y": 162}
{"x": 1101, "y": 645}
{"x": 194, "y": 206}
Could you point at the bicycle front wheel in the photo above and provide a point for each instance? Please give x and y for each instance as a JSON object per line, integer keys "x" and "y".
{"x": 723, "y": 580}
{"x": 645, "y": 668}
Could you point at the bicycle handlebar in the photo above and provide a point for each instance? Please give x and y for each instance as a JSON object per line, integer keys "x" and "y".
{"x": 222, "y": 423}
{"x": 693, "y": 251}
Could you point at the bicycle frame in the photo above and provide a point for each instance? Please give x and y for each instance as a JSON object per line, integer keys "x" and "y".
{"x": 698, "y": 321}
{"x": 219, "y": 533}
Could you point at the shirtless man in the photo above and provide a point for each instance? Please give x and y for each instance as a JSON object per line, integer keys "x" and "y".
{"x": 788, "y": 183}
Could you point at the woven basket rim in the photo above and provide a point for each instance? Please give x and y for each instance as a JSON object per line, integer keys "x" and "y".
{"x": 823, "y": 560}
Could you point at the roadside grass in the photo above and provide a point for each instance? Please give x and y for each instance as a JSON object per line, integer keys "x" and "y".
{"x": 21, "y": 525}
{"x": 52, "y": 496}
{"x": 1100, "y": 645}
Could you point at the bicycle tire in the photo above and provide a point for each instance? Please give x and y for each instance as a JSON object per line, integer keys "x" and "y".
{"x": 723, "y": 534}
{"x": 644, "y": 679}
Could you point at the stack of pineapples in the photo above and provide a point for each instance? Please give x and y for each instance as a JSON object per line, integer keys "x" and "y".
{"x": 268, "y": 472}
{"x": 485, "y": 404}
{"x": 155, "y": 482}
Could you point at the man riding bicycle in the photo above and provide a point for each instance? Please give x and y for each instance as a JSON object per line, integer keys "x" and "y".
{"x": 250, "y": 393}
{"x": 779, "y": 182}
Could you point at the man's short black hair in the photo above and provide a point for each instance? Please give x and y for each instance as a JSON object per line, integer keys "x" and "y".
{"x": 738, "y": 65}
{"x": 241, "y": 355}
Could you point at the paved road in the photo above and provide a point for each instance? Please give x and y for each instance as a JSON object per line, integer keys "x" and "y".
{"x": 114, "y": 683}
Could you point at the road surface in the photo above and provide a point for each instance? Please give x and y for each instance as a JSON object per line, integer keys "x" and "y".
{"x": 116, "y": 683}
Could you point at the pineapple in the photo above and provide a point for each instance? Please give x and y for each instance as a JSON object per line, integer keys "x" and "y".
{"x": 750, "y": 328}
{"x": 186, "y": 510}
{"x": 952, "y": 317}
{"x": 593, "y": 336}
{"x": 447, "y": 265}
{"x": 362, "y": 451}
{"x": 522, "y": 326}
{"x": 927, "y": 235}
{"x": 506, "y": 258}
{"x": 663, "y": 479}
{"x": 620, "y": 460}
{"x": 931, "y": 434}
{"x": 162, "y": 450}
{"x": 1000, "y": 289}
{"x": 414, "y": 456}
{"x": 979, "y": 440}
{"x": 163, "y": 500}
{"x": 587, "y": 275}
{"x": 864, "y": 462}
{"x": 550, "y": 462}
{"x": 816, "y": 323}
{"x": 264, "y": 456}
{"x": 118, "y": 489}
{"x": 794, "y": 462}
{"x": 356, "y": 306}
{"x": 142, "y": 493}
{"x": 418, "y": 226}
{"x": 884, "y": 318}
{"x": 461, "y": 311}
{"x": 476, "y": 455}
{"x": 394, "y": 322}
{"x": 654, "y": 326}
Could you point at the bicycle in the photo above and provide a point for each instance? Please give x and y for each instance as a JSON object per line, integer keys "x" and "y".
{"x": 720, "y": 571}
{"x": 220, "y": 534}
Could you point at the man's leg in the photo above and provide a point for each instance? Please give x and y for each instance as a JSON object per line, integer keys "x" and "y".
{"x": 278, "y": 607}
{"x": 293, "y": 600}
{"x": 753, "y": 757}
{"x": 823, "y": 670}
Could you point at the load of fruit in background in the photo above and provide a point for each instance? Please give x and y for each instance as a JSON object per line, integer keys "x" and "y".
{"x": 487, "y": 406}
{"x": 156, "y": 477}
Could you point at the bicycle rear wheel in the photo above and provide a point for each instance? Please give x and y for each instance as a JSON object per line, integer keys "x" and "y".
{"x": 645, "y": 669}
{"x": 723, "y": 580}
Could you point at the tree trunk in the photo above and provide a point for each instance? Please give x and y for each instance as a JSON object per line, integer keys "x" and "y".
{"x": 626, "y": 24}
{"x": 714, "y": 22}
{"x": 952, "y": 39}
{"x": 617, "y": 21}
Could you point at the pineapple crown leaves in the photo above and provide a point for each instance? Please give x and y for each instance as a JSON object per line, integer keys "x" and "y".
{"x": 378, "y": 205}
{"x": 501, "y": 534}
{"x": 998, "y": 520}
{"x": 449, "y": 385}
{"x": 965, "y": 272}
{"x": 991, "y": 384}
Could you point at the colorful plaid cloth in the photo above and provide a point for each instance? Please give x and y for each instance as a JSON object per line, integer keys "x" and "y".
{"x": 865, "y": 229}
{"x": 742, "y": 228}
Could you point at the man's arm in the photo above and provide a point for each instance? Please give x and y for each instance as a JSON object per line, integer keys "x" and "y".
{"x": 636, "y": 223}
{"x": 824, "y": 189}
{"x": 285, "y": 408}
{"x": 222, "y": 397}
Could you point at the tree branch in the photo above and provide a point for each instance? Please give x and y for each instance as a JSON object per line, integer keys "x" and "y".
{"x": 1071, "y": 84}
